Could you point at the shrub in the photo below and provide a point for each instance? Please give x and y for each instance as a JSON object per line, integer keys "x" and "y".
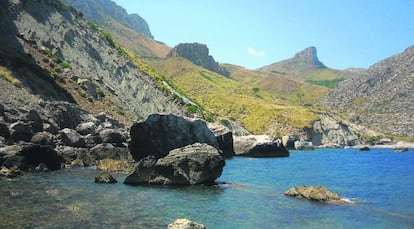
{"x": 7, "y": 74}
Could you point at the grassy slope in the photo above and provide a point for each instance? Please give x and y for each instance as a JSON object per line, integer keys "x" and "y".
{"x": 264, "y": 103}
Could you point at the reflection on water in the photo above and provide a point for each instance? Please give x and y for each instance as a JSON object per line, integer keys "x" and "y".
{"x": 250, "y": 195}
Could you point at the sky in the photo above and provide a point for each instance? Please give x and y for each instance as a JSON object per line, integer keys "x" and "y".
{"x": 256, "y": 33}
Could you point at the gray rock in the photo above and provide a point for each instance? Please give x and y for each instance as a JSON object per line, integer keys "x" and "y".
{"x": 92, "y": 140}
{"x": 2, "y": 110}
{"x": 302, "y": 145}
{"x": 224, "y": 138}
{"x": 89, "y": 86}
{"x": 43, "y": 138}
{"x": 315, "y": 193}
{"x": 4, "y": 130}
{"x": 28, "y": 156}
{"x": 64, "y": 114}
{"x": 105, "y": 178}
{"x": 10, "y": 172}
{"x": 185, "y": 224}
{"x": 21, "y": 131}
{"x": 86, "y": 128}
{"x": 108, "y": 151}
{"x": 71, "y": 137}
{"x": 51, "y": 128}
{"x": 35, "y": 121}
{"x": 190, "y": 165}
{"x": 112, "y": 136}
{"x": 259, "y": 146}
{"x": 159, "y": 134}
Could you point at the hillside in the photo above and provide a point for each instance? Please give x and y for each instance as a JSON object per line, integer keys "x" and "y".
{"x": 77, "y": 62}
{"x": 306, "y": 66}
{"x": 380, "y": 98}
{"x": 263, "y": 103}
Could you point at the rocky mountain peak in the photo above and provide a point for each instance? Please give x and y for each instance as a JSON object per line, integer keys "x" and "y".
{"x": 309, "y": 56}
{"x": 199, "y": 55}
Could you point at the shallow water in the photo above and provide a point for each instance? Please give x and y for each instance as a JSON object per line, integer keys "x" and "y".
{"x": 380, "y": 181}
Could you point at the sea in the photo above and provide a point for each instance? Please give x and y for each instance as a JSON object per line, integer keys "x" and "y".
{"x": 379, "y": 184}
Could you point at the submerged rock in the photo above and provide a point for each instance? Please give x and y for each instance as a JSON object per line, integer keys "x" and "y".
{"x": 190, "y": 165}
{"x": 259, "y": 146}
{"x": 315, "y": 193}
{"x": 185, "y": 224}
{"x": 105, "y": 178}
{"x": 364, "y": 148}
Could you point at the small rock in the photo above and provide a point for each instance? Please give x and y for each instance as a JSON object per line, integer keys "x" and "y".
{"x": 35, "y": 120}
{"x": 105, "y": 178}
{"x": 10, "y": 172}
{"x": 43, "y": 138}
{"x": 400, "y": 149}
{"x": 71, "y": 137}
{"x": 4, "y": 130}
{"x": 185, "y": 224}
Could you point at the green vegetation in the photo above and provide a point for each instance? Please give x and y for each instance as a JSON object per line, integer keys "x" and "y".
{"x": 359, "y": 101}
{"x": 108, "y": 37}
{"x": 65, "y": 64}
{"x": 326, "y": 83}
{"x": 8, "y": 75}
{"x": 100, "y": 93}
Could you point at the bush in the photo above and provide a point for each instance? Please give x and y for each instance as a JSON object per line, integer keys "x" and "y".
{"x": 6, "y": 74}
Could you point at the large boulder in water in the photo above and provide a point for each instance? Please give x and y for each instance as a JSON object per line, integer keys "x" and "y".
{"x": 224, "y": 138}
{"x": 259, "y": 146}
{"x": 185, "y": 224}
{"x": 190, "y": 165}
{"x": 315, "y": 193}
{"x": 161, "y": 133}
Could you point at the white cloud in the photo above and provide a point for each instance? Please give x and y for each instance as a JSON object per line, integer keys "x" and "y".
{"x": 254, "y": 52}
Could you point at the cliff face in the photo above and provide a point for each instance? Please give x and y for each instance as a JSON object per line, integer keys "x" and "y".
{"x": 98, "y": 11}
{"x": 199, "y": 55}
{"x": 380, "y": 98}
{"x": 53, "y": 43}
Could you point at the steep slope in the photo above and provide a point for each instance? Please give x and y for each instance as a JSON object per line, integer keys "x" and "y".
{"x": 86, "y": 62}
{"x": 99, "y": 11}
{"x": 380, "y": 98}
{"x": 306, "y": 66}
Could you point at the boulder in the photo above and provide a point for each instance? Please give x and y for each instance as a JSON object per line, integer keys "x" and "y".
{"x": 4, "y": 130}
{"x": 185, "y": 224}
{"x": 35, "y": 121}
{"x": 108, "y": 151}
{"x": 190, "y": 165}
{"x": 259, "y": 146}
{"x": 89, "y": 86}
{"x": 105, "y": 178}
{"x": 64, "y": 114}
{"x": 21, "y": 131}
{"x": 92, "y": 140}
{"x": 112, "y": 136}
{"x": 302, "y": 145}
{"x": 70, "y": 137}
{"x": 315, "y": 193}
{"x": 51, "y": 128}
{"x": 28, "y": 156}
{"x": 364, "y": 148}
{"x": 400, "y": 149}
{"x": 2, "y": 110}
{"x": 161, "y": 133}
{"x": 43, "y": 138}
{"x": 10, "y": 172}
{"x": 86, "y": 128}
{"x": 224, "y": 138}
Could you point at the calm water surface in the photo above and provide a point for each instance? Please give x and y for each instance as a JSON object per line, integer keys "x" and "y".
{"x": 380, "y": 181}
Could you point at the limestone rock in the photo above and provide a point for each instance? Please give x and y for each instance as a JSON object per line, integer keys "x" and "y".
{"x": 185, "y": 224}
{"x": 224, "y": 138}
{"x": 160, "y": 133}
{"x": 86, "y": 128}
{"x": 315, "y": 193}
{"x": 199, "y": 55}
{"x": 259, "y": 146}
{"x": 190, "y": 165}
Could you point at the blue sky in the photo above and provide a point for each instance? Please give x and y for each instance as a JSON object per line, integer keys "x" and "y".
{"x": 255, "y": 33}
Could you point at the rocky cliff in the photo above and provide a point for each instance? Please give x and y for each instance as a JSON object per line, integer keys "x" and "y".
{"x": 98, "y": 11}
{"x": 302, "y": 61}
{"x": 70, "y": 53}
{"x": 199, "y": 55}
{"x": 380, "y": 98}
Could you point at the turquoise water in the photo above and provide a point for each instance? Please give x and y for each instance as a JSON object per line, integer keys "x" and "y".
{"x": 380, "y": 181}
